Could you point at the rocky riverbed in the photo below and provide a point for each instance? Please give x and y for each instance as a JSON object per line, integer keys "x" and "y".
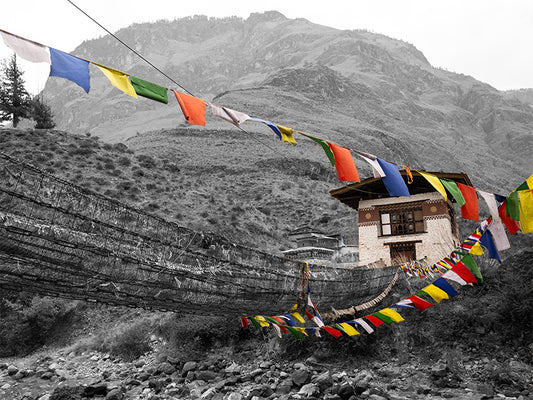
{"x": 57, "y": 375}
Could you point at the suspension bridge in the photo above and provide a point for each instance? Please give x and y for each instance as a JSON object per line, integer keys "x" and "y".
{"x": 60, "y": 239}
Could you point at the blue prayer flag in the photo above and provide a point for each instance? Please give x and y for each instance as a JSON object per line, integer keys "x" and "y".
{"x": 69, "y": 67}
{"x": 443, "y": 284}
{"x": 393, "y": 180}
{"x": 487, "y": 241}
{"x": 271, "y": 125}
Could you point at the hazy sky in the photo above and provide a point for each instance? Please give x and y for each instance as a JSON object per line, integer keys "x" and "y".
{"x": 491, "y": 40}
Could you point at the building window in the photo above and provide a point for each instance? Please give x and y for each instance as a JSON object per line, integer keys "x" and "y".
{"x": 402, "y": 252}
{"x": 402, "y": 222}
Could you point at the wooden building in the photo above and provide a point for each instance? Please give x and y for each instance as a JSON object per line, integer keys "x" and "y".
{"x": 393, "y": 230}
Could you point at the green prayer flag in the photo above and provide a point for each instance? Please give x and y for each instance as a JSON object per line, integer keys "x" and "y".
{"x": 470, "y": 263}
{"x": 254, "y": 322}
{"x": 296, "y": 333}
{"x": 512, "y": 207}
{"x": 523, "y": 186}
{"x": 149, "y": 90}
{"x": 324, "y": 145}
{"x": 383, "y": 317}
{"x": 272, "y": 320}
{"x": 451, "y": 186}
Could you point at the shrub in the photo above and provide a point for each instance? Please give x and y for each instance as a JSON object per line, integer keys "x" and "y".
{"x": 129, "y": 341}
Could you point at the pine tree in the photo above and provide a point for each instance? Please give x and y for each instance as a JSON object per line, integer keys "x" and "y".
{"x": 42, "y": 114}
{"x": 15, "y": 102}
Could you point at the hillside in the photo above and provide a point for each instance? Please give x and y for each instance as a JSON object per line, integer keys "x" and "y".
{"x": 359, "y": 89}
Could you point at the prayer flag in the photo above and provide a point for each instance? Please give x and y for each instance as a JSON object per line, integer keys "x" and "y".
{"x": 364, "y": 325}
{"x": 295, "y": 332}
{"x": 388, "y": 320}
{"x": 262, "y": 321}
{"x": 298, "y": 317}
{"x": 435, "y": 292}
{"x": 287, "y": 134}
{"x": 404, "y": 303}
{"x": 512, "y": 206}
{"x": 350, "y": 330}
{"x": 118, "y": 79}
{"x": 471, "y": 264}
{"x": 461, "y": 270}
{"x": 526, "y": 210}
{"x": 376, "y": 321}
{"x": 254, "y": 322}
{"x": 476, "y": 249}
{"x": 288, "y": 319}
{"x": 277, "y": 329}
{"x": 470, "y": 209}
{"x": 393, "y": 180}
{"x": 453, "y": 276}
{"x": 271, "y": 125}
{"x": 332, "y": 331}
{"x": 373, "y": 161}
{"x": 441, "y": 283}
{"x": 69, "y": 67}
{"x": 27, "y": 49}
{"x": 149, "y": 90}
{"x": 436, "y": 183}
{"x": 396, "y": 317}
{"x": 227, "y": 114}
{"x": 344, "y": 163}
{"x": 487, "y": 242}
{"x": 244, "y": 322}
{"x": 419, "y": 303}
{"x": 192, "y": 107}
{"x": 324, "y": 145}
{"x": 454, "y": 191}
{"x": 512, "y": 225}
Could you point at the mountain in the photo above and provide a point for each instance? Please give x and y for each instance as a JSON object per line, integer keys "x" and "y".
{"x": 356, "y": 88}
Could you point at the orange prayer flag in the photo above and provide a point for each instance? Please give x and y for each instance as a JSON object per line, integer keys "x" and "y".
{"x": 193, "y": 108}
{"x": 470, "y": 210}
{"x": 344, "y": 163}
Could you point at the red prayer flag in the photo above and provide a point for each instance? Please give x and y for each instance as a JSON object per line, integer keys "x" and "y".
{"x": 376, "y": 321}
{"x": 470, "y": 210}
{"x": 193, "y": 108}
{"x": 419, "y": 303}
{"x": 344, "y": 163}
{"x": 512, "y": 225}
{"x": 332, "y": 331}
{"x": 461, "y": 270}
{"x": 244, "y": 322}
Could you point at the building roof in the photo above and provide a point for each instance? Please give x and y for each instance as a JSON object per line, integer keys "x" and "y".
{"x": 373, "y": 188}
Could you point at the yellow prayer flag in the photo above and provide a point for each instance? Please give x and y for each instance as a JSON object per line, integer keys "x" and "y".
{"x": 262, "y": 321}
{"x": 529, "y": 181}
{"x": 286, "y": 134}
{"x": 396, "y": 317}
{"x": 300, "y": 329}
{"x": 350, "y": 330}
{"x": 476, "y": 249}
{"x": 118, "y": 79}
{"x": 526, "y": 210}
{"x": 298, "y": 317}
{"x": 435, "y": 182}
{"x": 436, "y": 293}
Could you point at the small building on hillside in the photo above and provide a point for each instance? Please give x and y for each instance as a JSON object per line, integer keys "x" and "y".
{"x": 399, "y": 229}
{"x": 314, "y": 246}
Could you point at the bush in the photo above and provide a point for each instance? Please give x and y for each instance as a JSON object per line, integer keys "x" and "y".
{"x": 128, "y": 341}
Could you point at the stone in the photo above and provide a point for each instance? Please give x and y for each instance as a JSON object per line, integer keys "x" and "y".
{"x": 265, "y": 364}
{"x": 19, "y": 375}
{"x": 233, "y": 369}
{"x": 139, "y": 363}
{"x": 208, "y": 394}
{"x": 115, "y": 394}
{"x": 206, "y": 375}
{"x": 309, "y": 389}
{"x": 52, "y": 367}
{"x": 12, "y": 370}
{"x": 5, "y": 386}
{"x": 3, "y": 366}
{"x": 132, "y": 382}
{"x": 165, "y": 368}
{"x": 234, "y": 396}
{"x": 189, "y": 366}
{"x": 324, "y": 380}
{"x": 439, "y": 370}
{"x": 47, "y": 375}
{"x": 96, "y": 389}
{"x": 284, "y": 387}
{"x": 300, "y": 377}
{"x": 346, "y": 391}
{"x": 44, "y": 397}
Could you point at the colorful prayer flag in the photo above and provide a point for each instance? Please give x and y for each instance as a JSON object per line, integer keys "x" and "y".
{"x": 436, "y": 183}
{"x": 287, "y": 134}
{"x": 192, "y": 107}
{"x": 461, "y": 270}
{"x": 435, "y": 292}
{"x": 324, "y": 145}
{"x": 332, "y": 331}
{"x": 396, "y": 317}
{"x": 149, "y": 90}
{"x": 373, "y": 161}
{"x": 442, "y": 284}
{"x": 344, "y": 163}
{"x": 419, "y": 303}
{"x": 471, "y": 264}
{"x": 364, "y": 325}
{"x": 227, "y": 114}
{"x": 454, "y": 191}
{"x": 69, "y": 67}
{"x": 488, "y": 242}
{"x": 526, "y": 210}
{"x": 470, "y": 209}
{"x": 393, "y": 180}
{"x": 350, "y": 330}
{"x": 512, "y": 206}
{"x": 118, "y": 79}
{"x": 512, "y": 225}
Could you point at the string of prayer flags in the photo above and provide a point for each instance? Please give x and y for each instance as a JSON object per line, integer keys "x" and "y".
{"x": 344, "y": 163}
{"x": 192, "y": 107}
{"x": 27, "y": 49}
{"x": 436, "y": 183}
{"x": 470, "y": 210}
{"x": 393, "y": 179}
{"x": 287, "y": 134}
{"x": 526, "y": 210}
{"x": 118, "y": 79}
{"x": 511, "y": 225}
{"x": 451, "y": 186}
{"x": 324, "y": 145}
{"x": 149, "y": 90}
{"x": 227, "y": 114}
{"x": 74, "y": 69}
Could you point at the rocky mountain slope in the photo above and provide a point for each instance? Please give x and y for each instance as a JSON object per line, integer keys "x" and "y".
{"x": 355, "y": 88}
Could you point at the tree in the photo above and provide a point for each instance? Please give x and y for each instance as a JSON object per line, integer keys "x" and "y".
{"x": 15, "y": 102}
{"x": 42, "y": 114}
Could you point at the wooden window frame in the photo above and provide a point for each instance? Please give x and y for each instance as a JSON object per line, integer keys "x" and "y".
{"x": 407, "y": 221}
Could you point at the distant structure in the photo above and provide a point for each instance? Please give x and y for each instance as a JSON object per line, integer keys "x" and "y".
{"x": 393, "y": 230}
{"x": 314, "y": 246}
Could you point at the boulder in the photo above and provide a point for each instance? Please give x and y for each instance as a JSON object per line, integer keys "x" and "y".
{"x": 165, "y": 368}
{"x": 115, "y": 394}
{"x": 300, "y": 377}
{"x": 189, "y": 366}
{"x": 12, "y": 370}
{"x": 206, "y": 375}
{"x": 96, "y": 389}
{"x": 323, "y": 380}
{"x": 309, "y": 389}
